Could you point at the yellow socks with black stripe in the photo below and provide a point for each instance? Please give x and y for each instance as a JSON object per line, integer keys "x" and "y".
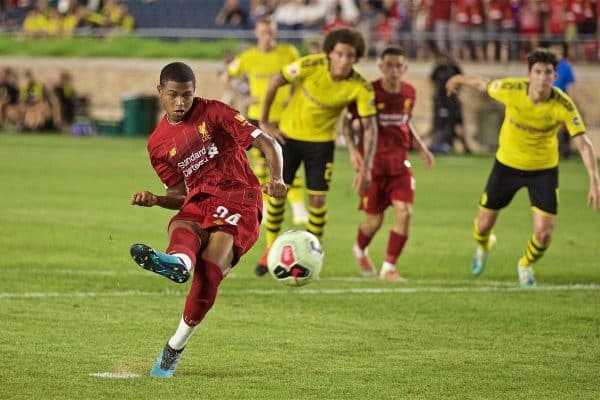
{"x": 317, "y": 217}
{"x": 275, "y": 215}
{"x": 259, "y": 165}
{"x": 482, "y": 238}
{"x": 295, "y": 196}
{"x": 533, "y": 252}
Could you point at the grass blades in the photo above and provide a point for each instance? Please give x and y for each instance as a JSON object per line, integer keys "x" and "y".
{"x": 72, "y": 302}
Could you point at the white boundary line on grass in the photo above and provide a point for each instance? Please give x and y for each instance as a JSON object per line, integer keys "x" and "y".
{"x": 304, "y": 291}
{"x": 234, "y": 275}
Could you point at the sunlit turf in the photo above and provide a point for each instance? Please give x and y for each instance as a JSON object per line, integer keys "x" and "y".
{"x": 72, "y": 303}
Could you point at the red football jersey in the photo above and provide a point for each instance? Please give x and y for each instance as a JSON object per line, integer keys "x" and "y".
{"x": 394, "y": 110}
{"x": 207, "y": 150}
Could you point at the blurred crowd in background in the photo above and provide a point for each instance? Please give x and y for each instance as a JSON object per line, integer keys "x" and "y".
{"x": 473, "y": 30}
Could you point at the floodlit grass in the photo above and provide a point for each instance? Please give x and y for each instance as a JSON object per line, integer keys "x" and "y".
{"x": 117, "y": 46}
{"x": 72, "y": 303}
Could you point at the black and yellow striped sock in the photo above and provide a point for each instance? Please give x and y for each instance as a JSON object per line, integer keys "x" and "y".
{"x": 275, "y": 215}
{"x": 295, "y": 192}
{"x": 533, "y": 252}
{"x": 259, "y": 165}
{"x": 482, "y": 239}
{"x": 317, "y": 217}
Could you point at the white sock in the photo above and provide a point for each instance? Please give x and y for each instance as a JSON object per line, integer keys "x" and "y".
{"x": 386, "y": 266}
{"x": 182, "y": 335}
{"x": 187, "y": 261}
{"x": 360, "y": 252}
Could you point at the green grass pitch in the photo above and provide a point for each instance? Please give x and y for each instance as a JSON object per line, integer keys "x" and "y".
{"x": 72, "y": 303}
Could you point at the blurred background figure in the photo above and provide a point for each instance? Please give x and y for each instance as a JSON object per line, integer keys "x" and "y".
{"x": 9, "y": 93}
{"x": 565, "y": 77}
{"x": 447, "y": 111}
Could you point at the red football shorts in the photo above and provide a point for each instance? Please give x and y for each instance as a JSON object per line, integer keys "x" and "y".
{"x": 385, "y": 188}
{"x": 215, "y": 214}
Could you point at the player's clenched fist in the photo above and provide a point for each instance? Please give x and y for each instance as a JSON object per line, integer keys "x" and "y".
{"x": 144, "y": 199}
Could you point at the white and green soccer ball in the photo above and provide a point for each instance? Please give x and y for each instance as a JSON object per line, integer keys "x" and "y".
{"x": 295, "y": 258}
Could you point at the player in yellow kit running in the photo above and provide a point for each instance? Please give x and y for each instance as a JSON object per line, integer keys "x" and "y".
{"x": 324, "y": 85}
{"x": 259, "y": 64}
{"x": 527, "y": 156}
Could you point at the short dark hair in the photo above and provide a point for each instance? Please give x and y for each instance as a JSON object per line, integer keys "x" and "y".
{"x": 544, "y": 56}
{"x": 392, "y": 51}
{"x": 177, "y": 72}
{"x": 347, "y": 36}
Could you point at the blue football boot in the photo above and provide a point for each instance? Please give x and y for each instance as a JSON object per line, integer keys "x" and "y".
{"x": 164, "y": 264}
{"x": 166, "y": 363}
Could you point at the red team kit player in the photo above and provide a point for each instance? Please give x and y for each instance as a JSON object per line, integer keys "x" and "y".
{"x": 198, "y": 151}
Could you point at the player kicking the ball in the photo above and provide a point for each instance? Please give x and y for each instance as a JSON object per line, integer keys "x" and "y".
{"x": 198, "y": 151}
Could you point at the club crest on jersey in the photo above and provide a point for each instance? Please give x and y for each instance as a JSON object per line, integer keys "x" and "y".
{"x": 293, "y": 70}
{"x": 172, "y": 152}
{"x": 380, "y": 106}
{"x": 203, "y": 132}
{"x": 240, "y": 118}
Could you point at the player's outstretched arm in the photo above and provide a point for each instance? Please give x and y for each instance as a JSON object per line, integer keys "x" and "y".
{"x": 349, "y": 134}
{"x": 474, "y": 82}
{"x": 275, "y": 187}
{"x": 173, "y": 199}
{"x": 426, "y": 155}
{"x": 588, "y": 156}
{"x": 270, "y": 128}
{"x": 363, "y": 178}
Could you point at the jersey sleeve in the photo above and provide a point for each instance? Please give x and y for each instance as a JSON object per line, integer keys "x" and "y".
{"x": 500, "y": 90}
{"x": 236, "y": 66}
{"x": 302, "y": 67}
{"x": 168, "y": 175}
{"x": 365, "y": 100}
{"x": 571, "y": 117}
{"x": 237, "y": 126}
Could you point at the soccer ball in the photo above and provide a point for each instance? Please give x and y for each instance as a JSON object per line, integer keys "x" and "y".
{"x": 295, "y": 258}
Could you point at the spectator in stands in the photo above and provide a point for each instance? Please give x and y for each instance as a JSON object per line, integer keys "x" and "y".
{"x": 469, "y": 30}
{"x": 117, "y": 16}
{"x": 440, "y": 16}
{"x": 501, "y": 27}
{"x": 586, "y": 20}
{"x": 36, "y": 20}
{"x": 34, "y": 111}
{"x": 384, "y": 31}
{"x": 421, "y": 27}
{"x": 530, "y": 26}
{"x": 260, "y": 9}
{"x": 447, "y": 110}
{"x": 335, "y": 20}
{"x": 9, "y": 93}
{"x": 232, "y": 15}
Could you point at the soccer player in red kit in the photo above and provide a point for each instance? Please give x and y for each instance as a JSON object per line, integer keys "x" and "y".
{"x": 198, "y": 151}
{"x": 392, "y": 181}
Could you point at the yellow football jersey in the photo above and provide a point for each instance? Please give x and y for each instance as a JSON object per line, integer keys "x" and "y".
{"x": 260, "y": 67}
{"x": 317, "y": 100}
{"x": 528, "y": 137}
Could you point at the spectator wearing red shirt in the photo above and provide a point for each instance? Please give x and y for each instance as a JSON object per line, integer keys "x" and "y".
{"x": 500, "y": 29}
{"x": 469, "y": 29}
{"x": 440, "y": 16}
